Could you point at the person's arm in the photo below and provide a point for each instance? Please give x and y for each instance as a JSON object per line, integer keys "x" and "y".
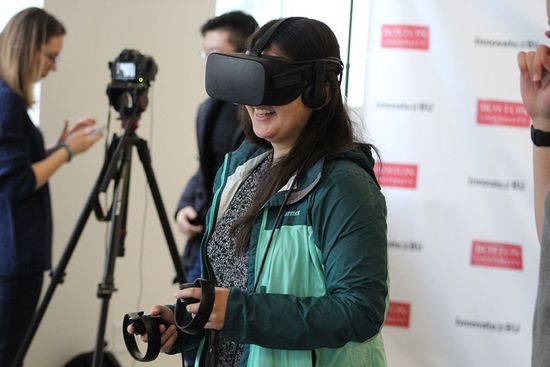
{"x": 45, "y": 168}
{"x": 535, "y": 91}
{"x": 541, "y": 175}
{"x": 74, "y": 144}
{"x": 17, "y": 180}
{"x": 186, "y": 211}
{"x": 195, "y": 183}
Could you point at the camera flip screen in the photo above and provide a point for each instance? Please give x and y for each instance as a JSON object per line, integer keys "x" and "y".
{"x": 125, "y": 71}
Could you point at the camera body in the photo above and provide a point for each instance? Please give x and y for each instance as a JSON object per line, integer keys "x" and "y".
{"x": 131, "y": 76}
{"x": 131, "y": 67}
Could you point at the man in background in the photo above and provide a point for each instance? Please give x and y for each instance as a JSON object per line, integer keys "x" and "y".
{"x": 218, "y": 132}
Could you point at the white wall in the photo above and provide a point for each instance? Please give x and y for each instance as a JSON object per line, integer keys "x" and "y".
{"x": 97, "y": 31}
{"x": 443, "y": 104}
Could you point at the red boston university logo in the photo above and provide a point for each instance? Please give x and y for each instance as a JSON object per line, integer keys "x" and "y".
{"x": 499, "y": 255}
{"x": 396, "y": 174}
{"x": 491, "y": 112}
{"x": 405, "y": 36}
{"x": 398, "y": 314}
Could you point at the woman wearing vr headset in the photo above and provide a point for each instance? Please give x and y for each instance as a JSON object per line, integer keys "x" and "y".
{"x": 296, "y": 236}
{"x": 29, "y": 46}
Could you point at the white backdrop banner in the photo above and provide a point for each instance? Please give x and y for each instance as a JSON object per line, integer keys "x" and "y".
{"x": 442, "y": 104}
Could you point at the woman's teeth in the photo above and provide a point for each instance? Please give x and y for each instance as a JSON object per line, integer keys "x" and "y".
{"x": 261, "y": 111}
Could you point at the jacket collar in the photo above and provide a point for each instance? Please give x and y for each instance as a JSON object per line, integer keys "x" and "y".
{"x": 249, "y": 156}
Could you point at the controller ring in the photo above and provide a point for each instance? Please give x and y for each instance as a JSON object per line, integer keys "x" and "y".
{"x": 144, "y": 324}
{"x": 196, "y": 325}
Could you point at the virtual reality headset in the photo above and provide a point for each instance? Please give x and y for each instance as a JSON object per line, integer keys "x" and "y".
{"x": 265, "y": 80}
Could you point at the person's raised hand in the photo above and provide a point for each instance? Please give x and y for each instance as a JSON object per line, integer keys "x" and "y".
{"x": 535, "y": 84}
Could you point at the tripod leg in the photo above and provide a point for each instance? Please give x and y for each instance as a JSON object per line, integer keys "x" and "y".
{"x": 116, "y": 240}
{"x": 57, "y": 275}
{"x": 145, "y": 158}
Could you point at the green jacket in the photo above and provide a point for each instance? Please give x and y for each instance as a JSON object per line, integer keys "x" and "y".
{"x": 323, "y": 293}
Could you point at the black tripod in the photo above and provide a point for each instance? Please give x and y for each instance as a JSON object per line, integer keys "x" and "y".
{"x": 117, "y": 167}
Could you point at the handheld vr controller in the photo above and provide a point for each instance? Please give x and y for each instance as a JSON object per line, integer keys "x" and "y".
{"x": 148, "y": 324}
{"x": 144, "y": 324}
{"x": 196, "y": 324}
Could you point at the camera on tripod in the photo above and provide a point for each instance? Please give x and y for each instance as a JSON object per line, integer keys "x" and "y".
{"x": 131, "y": 75}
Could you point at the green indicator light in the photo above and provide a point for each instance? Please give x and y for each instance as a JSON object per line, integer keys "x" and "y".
{"x": 140, "y": 80}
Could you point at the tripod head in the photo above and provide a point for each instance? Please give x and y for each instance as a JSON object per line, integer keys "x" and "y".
{"x": 131, "y": 77}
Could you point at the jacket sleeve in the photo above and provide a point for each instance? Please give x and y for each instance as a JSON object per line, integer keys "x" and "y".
{"x": 349, "y": 224}
{"x": 195, "y": 184}
{"x": 17, "y": 179}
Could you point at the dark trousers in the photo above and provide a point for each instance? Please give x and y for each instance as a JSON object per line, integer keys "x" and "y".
{"x": 19, "y": 296}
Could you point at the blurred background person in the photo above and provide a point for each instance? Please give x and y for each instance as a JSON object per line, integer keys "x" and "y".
{"x": 30, "y": 45}
{"x": 218, "y": 132}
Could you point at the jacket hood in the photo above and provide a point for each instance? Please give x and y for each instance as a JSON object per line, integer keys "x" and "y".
{"x": 363, "y": 158}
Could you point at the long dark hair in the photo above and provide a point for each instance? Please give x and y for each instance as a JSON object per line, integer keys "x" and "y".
{"x": 327, "y": 134}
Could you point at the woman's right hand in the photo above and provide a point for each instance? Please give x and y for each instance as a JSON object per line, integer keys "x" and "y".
{"x": 168, "y": 335}
{"x": 80, "y": 140}
{"x": 184, "y": 216}
{"x": 82, "y": 123}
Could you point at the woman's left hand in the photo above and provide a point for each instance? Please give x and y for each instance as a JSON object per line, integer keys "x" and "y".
{"x": 217, "y": 317}
{"x": 82, "y": 123}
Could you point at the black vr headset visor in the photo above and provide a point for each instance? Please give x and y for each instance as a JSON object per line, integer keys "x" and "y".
{"x": 262, "y": 80}
{"x": 255, "y": 79}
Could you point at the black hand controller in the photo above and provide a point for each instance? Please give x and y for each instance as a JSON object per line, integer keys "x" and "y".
{"x": 196, "y": 324}
{"x": 143, "y": 324}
